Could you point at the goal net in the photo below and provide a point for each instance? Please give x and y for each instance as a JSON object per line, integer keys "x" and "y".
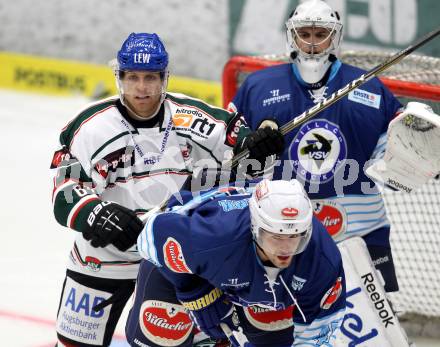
{"x": 415, "y": 217}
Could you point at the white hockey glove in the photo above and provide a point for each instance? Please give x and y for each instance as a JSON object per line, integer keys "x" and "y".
{"x": 412, "y": 155}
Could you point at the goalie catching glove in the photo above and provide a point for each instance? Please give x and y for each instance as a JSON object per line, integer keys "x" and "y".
{"x": 412, "y": 154}
{"x": 110, "y": 223}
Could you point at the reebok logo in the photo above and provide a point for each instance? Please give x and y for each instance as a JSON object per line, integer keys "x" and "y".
{"x": 398, "y": 185}
{"x": 380, "y": 303}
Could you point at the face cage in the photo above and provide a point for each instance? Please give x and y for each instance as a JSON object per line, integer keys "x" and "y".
{"x": 334, "y": 29}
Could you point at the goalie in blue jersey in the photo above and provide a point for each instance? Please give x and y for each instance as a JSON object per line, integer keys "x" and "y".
{"x": 340, "y": 139}
{"x": 254, "y": 267}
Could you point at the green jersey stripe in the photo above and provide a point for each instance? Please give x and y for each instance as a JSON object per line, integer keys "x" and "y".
{"x": 218, "y": 114}
{"x": 68, "y": 133}
{"x": 113, "y": 139}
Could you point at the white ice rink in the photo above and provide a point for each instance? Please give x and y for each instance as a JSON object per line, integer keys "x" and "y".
{"x": 34, "y": 247}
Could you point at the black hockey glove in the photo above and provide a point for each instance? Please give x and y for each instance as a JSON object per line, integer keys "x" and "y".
{"x": 262, "y": 144}
{"x": 110, "y": 223}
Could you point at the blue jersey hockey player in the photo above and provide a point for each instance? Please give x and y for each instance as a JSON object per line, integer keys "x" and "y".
{"x": 330, "y": 152}
{"x": 248, "y": 261}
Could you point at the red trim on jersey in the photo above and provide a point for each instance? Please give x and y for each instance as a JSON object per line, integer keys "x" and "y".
{"x": 85, "y": 121}
{"x": 55, "y": 186}
{"x": 75, "y": 214}
{"x": 201, "y": 111}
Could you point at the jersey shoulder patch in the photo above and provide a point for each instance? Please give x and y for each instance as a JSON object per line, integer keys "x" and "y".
{"x": 173, "y": 256}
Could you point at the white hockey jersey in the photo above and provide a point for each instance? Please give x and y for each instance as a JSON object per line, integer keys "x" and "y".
{"x": 106, "y": 155}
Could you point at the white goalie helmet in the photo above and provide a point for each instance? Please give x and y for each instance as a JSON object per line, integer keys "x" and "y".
{"x": 313, "y": 14}
{"x": 281, "y": 208}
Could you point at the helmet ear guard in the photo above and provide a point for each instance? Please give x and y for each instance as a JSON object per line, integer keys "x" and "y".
{"x": 283, "y": 208}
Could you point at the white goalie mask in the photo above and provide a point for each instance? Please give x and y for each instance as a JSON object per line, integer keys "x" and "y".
{"x": 314, "y": 33}
{"x": 282, "y": 210}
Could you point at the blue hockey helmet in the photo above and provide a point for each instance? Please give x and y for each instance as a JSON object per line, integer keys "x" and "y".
{"x": 143, "y": 51}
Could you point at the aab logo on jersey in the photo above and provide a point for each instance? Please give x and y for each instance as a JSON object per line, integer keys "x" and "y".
{"x": 318, "y": 150}
{"x": 121, "y": 158}
{"x": 193, "y": 120}
{"x": 173, "y": 256}
{"x": 332, "y": 215}
{"x": 84, "y": 302}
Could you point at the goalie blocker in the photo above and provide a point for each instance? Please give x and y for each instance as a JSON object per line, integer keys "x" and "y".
{"x": 412, "y": 155}
{"x": 369, "y": 319}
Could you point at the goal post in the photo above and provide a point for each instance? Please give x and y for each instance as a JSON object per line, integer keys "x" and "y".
{"x": 404, "y": 79}
{"x": 415, "y": 217}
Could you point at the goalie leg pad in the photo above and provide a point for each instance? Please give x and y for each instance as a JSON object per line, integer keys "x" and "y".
{"x": 369, "y": 317}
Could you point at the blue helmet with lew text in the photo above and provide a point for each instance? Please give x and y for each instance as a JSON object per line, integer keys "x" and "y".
{"x": 143, "y": 51}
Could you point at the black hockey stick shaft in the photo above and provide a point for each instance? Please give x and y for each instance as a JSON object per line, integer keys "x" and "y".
{"x": 339, "y": 94}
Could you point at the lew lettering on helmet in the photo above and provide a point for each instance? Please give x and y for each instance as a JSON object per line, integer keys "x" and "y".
{"x": 281, "y": 208}
{"x": 141, "y": 52}
{"x": 305, "y": 30}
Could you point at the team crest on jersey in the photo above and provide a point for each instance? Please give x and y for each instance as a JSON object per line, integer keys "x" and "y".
{"x": 163, "y": 323}
{"x": 332, "y": 215}
{"x": 269, "y": 320}
{"x": 93, "y": 264}
{"x": 332, "y": 294}
{"x": 318, "y": 150}
{"x": 298, "y": 283}
{"x": 173, "y": 256}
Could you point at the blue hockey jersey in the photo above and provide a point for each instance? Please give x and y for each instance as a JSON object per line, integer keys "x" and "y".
{"x": 330, "y": 152}
{"x": 210, "y": 237}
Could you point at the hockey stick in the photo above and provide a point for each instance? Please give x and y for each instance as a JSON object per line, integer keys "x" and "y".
{"x": 339, "y": 94}
{"x": 237, "y": 338}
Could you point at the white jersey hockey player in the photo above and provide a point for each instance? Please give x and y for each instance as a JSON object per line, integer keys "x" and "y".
{"x": 118, "y": 158}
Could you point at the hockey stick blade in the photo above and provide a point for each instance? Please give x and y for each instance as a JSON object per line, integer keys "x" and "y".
{"x": 339, "y": 94}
